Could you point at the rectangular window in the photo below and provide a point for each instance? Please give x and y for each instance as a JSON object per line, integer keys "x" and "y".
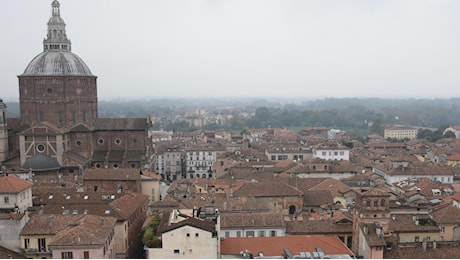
{"x": 26, "y": 243}
{"x": 238, "y": 233}
{"x": 6, "y": 200}
{"x": 280, "y": 157}
{"x": 323, "y": 153}
{"x": 227, "y": 234}
{"x": 84, "y": 116}
{"x": 85, "y": 254}
{"x": 417, "y": 239}
{"x": 443, "y": 229}
{"x": 336, "y": 153}
{"x": 273, "y": 233}
{"x": 176, "y": 251}
{"x": 261, "y": 233}
{"x": 41, "y": 245}
{"x": 66, "y": 255}
{"x": 273, "y": 157}
{"x": 249, "y": 233}
{"x": 60, "y": 117}
{"x": 342, "y": 152}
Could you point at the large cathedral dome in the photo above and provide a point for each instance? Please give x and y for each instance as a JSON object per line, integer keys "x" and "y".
{"x": 57, "y": 58}
{"x": 57, "y": 63}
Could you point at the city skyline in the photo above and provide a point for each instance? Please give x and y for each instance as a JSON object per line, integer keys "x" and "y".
{"x": 308, "y": 49}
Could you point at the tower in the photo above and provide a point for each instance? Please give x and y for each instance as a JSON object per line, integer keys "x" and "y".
{"x": 57, "y": 86}
{"x": 372, "y": 210}
{"x": 3, "y": 132}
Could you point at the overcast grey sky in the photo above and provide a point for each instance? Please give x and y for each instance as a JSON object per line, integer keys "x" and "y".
{"x": 264, "y": 48}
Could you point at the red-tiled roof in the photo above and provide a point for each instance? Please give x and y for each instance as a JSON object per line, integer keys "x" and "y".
{"x": 13, "y": 184}
{"x": 112, "y": 174}
{"x": 274, "y": 246}
{"x": 207, "y": 225}
{"x": 454, "y": 157}
{"x": 247, "y": 219}
{"x": 447, "y": 215}
{"x": 267, "y": 189}
{"x": 48, "y": 224}
{"x": 127, "y": 205}
{"x": 90, "y": 231}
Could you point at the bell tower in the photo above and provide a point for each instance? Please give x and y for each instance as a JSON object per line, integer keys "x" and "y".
{"x": 3, "y": 132}
{"x": 372, "y": 209}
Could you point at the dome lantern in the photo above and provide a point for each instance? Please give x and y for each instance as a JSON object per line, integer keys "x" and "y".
{"x": 56, "y": 39}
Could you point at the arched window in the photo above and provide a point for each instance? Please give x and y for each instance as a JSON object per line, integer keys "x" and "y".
{"x": 382, "y": 202}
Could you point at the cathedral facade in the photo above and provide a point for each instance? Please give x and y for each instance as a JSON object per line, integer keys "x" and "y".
{"x": 59, "y": 128}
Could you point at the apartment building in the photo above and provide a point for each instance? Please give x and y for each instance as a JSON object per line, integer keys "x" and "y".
{"x": 400, "y": 132}
{"x": 199, "y": 162}
{"x": 331, "y": 151}
{"x": 169, "y": 164}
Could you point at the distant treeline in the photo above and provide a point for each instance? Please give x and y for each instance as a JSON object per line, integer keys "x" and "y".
{"x": 342, "y": 113}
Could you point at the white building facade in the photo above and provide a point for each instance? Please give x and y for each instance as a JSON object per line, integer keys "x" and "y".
{"x": 331, "y": 153}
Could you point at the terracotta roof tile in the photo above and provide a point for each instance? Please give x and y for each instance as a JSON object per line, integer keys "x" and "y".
{"x": 127, "y": 205}
{"x": 274, "y": 246}
{"x": 112, "y": 174}
{"x": 406, "y": 223}
{"x": 447, "y": 215}
{"x": 336, "y": 187}
{"x": 89, "y": 231}
{"x": 121, "y": 124}
{"x": 12, "y": 184}
{"x": 207, "y": 225}
{"x": 51, "y": 224}
{"x": 317, "y": 197}
{"x": 267, "y": 189}
{"x": 230, "y": 220}
{"x": 317, "y": 227}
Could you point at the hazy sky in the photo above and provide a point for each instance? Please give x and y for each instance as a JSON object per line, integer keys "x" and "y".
{"x": 266, "y": 48}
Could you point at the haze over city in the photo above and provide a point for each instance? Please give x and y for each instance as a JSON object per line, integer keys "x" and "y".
{"x": 311, "y": 49}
